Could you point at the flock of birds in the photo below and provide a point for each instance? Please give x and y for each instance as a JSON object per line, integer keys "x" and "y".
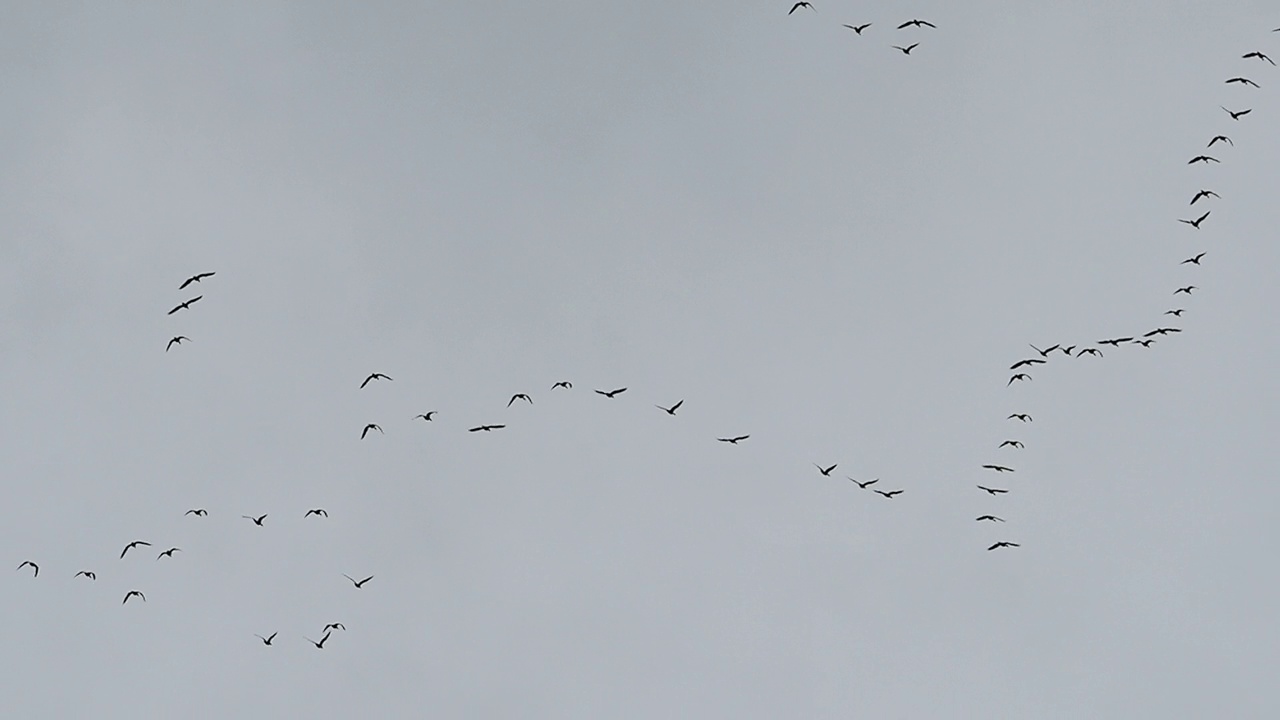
{"x": 914, "y": 23}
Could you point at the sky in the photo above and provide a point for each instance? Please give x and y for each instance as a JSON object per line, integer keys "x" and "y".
{"x": 806, "y": 235}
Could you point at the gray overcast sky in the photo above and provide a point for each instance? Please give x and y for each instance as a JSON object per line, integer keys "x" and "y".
{"x": 806, "y": 235}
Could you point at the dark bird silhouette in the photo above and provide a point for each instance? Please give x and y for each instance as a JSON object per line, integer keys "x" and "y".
{"x": 519, "y": 396}
{"x": 1022, "y": 363}
{"x": 1237, "y": 114}
{"x": 266, "y": 640}
{"x": 992, "y": 518}
{"x": 824, "y": 471}
{"x": 256, "y": 520}
{"x": 1196, "y": 223}
{"x": 864, "y": 485}
{"x": 370, "y": 426}
{"x": 1162, "y": 331}
{"x": 1204, "y": 194}
{"x": 34, "y": 567}
{"x": 1220, "y": 138}
{"x": 359, "y": 583}
{"x": 1020, "y": 416}
{"x": 133, "y": 593}
{"x": 372, "y": 377}
{"x": 1260, "y": 56}
{"x": 1090, "y": 351}
{"x": 486, "y": 428}
{"x": 169, "y": 553}
{"x": 319, "y": 512}
{"x": 195, "y": 279}
{"x": 859, "y": 28}
{"x": 1003, "y": 544}
{"x": 1011, "y": 443}
{"x": 184, "y": 305}
{"x": 319, "y": 645}
{"x": 1203, "y": 159}
{"x": 1146, "y": 343}
{"x": 1019, "y": 376}
{"x": 198, "y": 512}
{"x": 1046, "y": 351}
{"x": 917, "y": 23}
{"x": 993, "y": 491}
{"x": 1193, "y": 260}
{"x": 176, "y": 340}
{"x": 1115, "y": 342}
{"x": 733, "y": 440}
{"x": 611, "y": 393}
{"x": 133, "y": 545}
{"x": 889, "y": 493}
{"x": 670, "y": 410}
{"x": 87, "y": 573}
{"x": 334, "y": 626}
{"x": 906, "y": 50}
{"x": 1067, "y": 350}
{"x": 425, "y": 416}
{"x": 1186, "y": 289}
{"x": 801, "y": 4}
{"x": 1242, "y": 81}
{"x": 563, "y": 384}
{"x": 1177, "y": 312}
{"x": 998, "y": 468}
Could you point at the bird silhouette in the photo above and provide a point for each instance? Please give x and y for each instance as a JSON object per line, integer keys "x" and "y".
{"x": 998, "y": 468}
{"x": 426, "y": 415}
{"x": 1162, "y": 331}
{"x": 266, "y": 640}
{"x": 1260, "y": 56}
{"x": 486, "y": 428}
{"x": 34, "y": 567}
{"x": 906, "y": 50}
{"x": 1145, "y": 343}
{"x": 1242, "y": 81}
{"x": 917, "y": 23}
{"x": 890, "y": 493}
{"x": 133, "y": 593}
{"x": 1020, "y": 416}
{"x": 864, "y": 485}
{"x": 1237, "y": 114}
{"x": 1186, "y": 289}
{"x": 611, "y": 393}
{"x": 1193, "y": 260}
{"x": 169, "y": 553}
{"x": 184, "y": 305}
{"x": 133, "y": 545}
{"x": 195, "y": 279}
{"x": 670, "y": 410}
{"x": 824, "y": 471}
{"x": 256, "y": 520}
{"x": 1204, "y": 194}
{"x": 1203, "y": 159}
{"x": 370, "y": 426}
{"x": 1046, "y": 351}
{"x": 1177, "y": 312}
{"x": 176, "y": 340}
{"x": 198, "y": 512}
{"x": 319, "y": 645}
{"x": 359, "y": 583}
{"x": 733, "y": 440}
{"x": 991, "y": 518}
{"x": 87, "y": 573}
{"x": 1067, "y": 350}
{"x": 1220, "y": 138}
{"x": 801, "y": 4}
{"x": 1196, "y": 223}
{"x": 319, "y": 512}
{"x": 1010, "y": 443}
{"x": 1090, "y": 351}
{"x": 1022, "y": 363}
{"x": 334, "y": 626}
{"x": 372, "y": 377}
{"x": 1115, "y": 342}
{"x": 519, "y": 396}
{"x": 993, "y": 491}
{"x": 1003, "y": 544}
{"x": 1019, "y": 376}
{"x": 563, "y": 384}
{"x": 859, "y": 28}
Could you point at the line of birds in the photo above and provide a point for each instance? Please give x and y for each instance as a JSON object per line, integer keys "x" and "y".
{"x": 859, "y": 28}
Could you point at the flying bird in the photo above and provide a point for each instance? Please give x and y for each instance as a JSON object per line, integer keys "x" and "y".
{"x": 611, "y": 393}
{"x": 256, "y": 520}
{"x": 133, "y": 545}
{"x": 998, "y": 468}
{"x": 176, "y": 340}
{"x": 1203, "y": 159}
{"x": 1146, "y": 343}
{"x": 562, "y": 384}
{"x": 1260, "y": 56}
{"x": 319, "y": 645}
{"x": 733, "y": 440}
{"x": 194, "y": 279}
{"x": 1242, "y": 81}
{"x": 425, "y": 416}
{"x": 34, "y": 567}
{"x": 1020, "y": 416}
{"x": 355, "y": 582}
{"x": 319, "y": 512}
{"x": 266, "y": 640}
{"x": 372, "y": 377}
{"x": 1196, "y": 223}
{"x": 993, "y": 491}
{"x": 370, "y": 426}
{"x": 917, "y": 23}
{"x": 1115, "y": 342}
{"x": 890, "y": 493}
{"x": 87, "y": 573}
{"x": 1090, "y": 351}
{"x": 1176, "y": 312}
{"x": 1220, "y": 138}
{"x": 1010, "y": 443}
{"x": 801, "y": 4}
{"x": 992, "y": 518}
{"x": 1046, "y": 351}
{"x": 1193, "y": 260}
{"x": 1019, "y": 376}
{"x": 859, "y": 28}
{"x": 825, "y": 471}
{"x": 906, "y": 50}
{"x": 864, "y": 485}
{"x": 1162, "y": 331}
{"x": 1067, "y": 350}
{"x": 671, "y": 410}
{"x": 1204, "y": 194}
{"x": 1237, "y": 114}
{"x": 1022, "y": 363}
{"x": 1003, "y": 544}
{"x": 1186, "y": 289}
{"x": 519, "y": 396}
{"x": 198, "y": 512}
{"x": 169, "y": 553}
{"x": 486, "y": 428}
{"x": 334, "y": 626}
{"x": 133, "y": 593}
{"x": 184, "y": 305}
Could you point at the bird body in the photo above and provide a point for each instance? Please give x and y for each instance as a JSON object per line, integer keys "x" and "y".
{"x": 357, "y": 583}
{"x": 169, "y": 553}
{"x": 195, "y": 279}
{"x": 198, "y": 512}
{"x": 1204, "y": 194}
{"x": 176, "y": 340}
{"x": 1010, "y": 443}
{"x": 824, "y": 471}
{"x": 906, "y": 50}
{"x": 370, "y": 426}
{"x": 319, "y": 512}
{"x": 1260, "y": 56}
{"x": 991, "y": 518}
{"x": 520, "y": 396}
{"x": 133, "y": 545}
{"x": 1003, "y": 544}
{"x": 993, "y": 491}
{"x": 563, "y": 384}
{"x": 372, "y": 377}
{"x": 34, "y": 567}
{"x": 801, "y": 4}
{"x": 133, "y": 593}
{"x": 859, "y": 28}
{"x": 1187, "y": 290}
{"x": 1237, "y": 114}
{"x": 1203, "y": 159}
{"x": 917, "y": 23}
{"x": 486, "y": 428}
{"x": 1018, "y": 376}
{"x": 426, "y": 415}
{"x": 733, "y": 440}
{"x": 671, "y": 410}
{"x": 256, "y": 520}
{"x": 889, "y": 493}
{"x": 998, "y": 468}
{"x": 611, "y": 393}
{"x": 184, "y": 305}
{"x": 266, "y": 640}
{"x": 1020, "y": 416}
{"x": 1242, "y": 81}
{"x": 1196, "y": 223}
{"x": 864, "y": 485}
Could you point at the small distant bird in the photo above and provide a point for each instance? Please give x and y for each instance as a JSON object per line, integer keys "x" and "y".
{"x": 359, "y": 583}
{"x": 133, "y": 593}
{"x": 320, "y": 512}
{"x": 1003, "y": 544}
{"x": 370, "y": 426}
{"x": 825, "y": 471}
{"x": 34, "y": 567}
{"x": 198, "y": 512}
{"x": 1146, "y": 343}
{"x": 1220, "y": 138}
{"x": 266, "y": 640}
{"x": 319, "y": 645}
{"x": 1067, "y": 350}
{"x": 799, "y": 5}
{"x": 1204, "y": 194}
{"x": 562, "y": 384}
{"x": 425, "y": 416}
{"x": 864, "y": 485}
{"x": 1237, "y": 114}
{"x": 733, "y": 440}
{"x": 176, "y": 340}
{"x": 1115, "y": 342}
{"x": 1260, "y": 56}
{"x": 998, "y": 468}
{"x": 334, "y": 626}
{"x": 133, "y": 545}
{"x": 917, "y": 23}
{"x": 993, "y": 491}
{"x": 372, "y": 377}
{"x": 1010, "y": 443}
{"x": 184, "y": 305}
{"x": 1176, "y": 312}
{"x": 1019, "y": 376}
{"x": 611, "y": 393}
{"x": 859, "y": 28}
{"x": 1196, "y": 223}
{"x": 1203, "y": 159}
{"x": 1186, "y": 289}
{"x": 169, "y": 553}
{"x": 906, "y": 50}
{"x": 889, "y": 494}
{"x": 194, "y": 279}
{"x": 670, "y": 410}
{"x": 1020, "y": 416}
{"x": 992, "y": 518}
{"x": 1046, "y": 351}
{"x": 256, "y": 520}
{"x": 87, "y": 573}
{"x": 486, "y": 428}
{"x": 1242, "y": 81}
{"x": 1090, "y": 351}
{"x": 1193, "y": 260}
{"x": 519, "y": 396}
{"x": 1162, "y": 331}
{"x": 1022, "y": 363}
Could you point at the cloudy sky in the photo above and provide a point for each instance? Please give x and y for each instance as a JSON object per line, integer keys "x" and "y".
{"x": 806, "y": 235}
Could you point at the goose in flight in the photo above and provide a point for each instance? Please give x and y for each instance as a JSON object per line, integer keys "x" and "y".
{"x": 372, "y": 377}
{"x": 993, "y": 491}
{"x": 1186, "y": 289}
{"x": 1003, "y": 544}
{"x": 520, "y": 396}
{"x": 859, "y": 28}
{"x": 176, "y": 340}
{"x": 169, "y": 553}
{"x": 825, "y": 471}
{"x": 1196, "y": 223}
{"x": 801, "y": 4}
{"x": 1193, "y": 260}
{"x": 425, "y": 416}
{"x": 319, "y": 645}
{"x": 1237, "y": 114}
{"x": 370, "y": 426}
{"x": 563, "y": 384}
{"x": 318, "y": 512}
{"x": 486, "y": 428}
{"x": 266, "y": 640}
{"x": 198, "y": 512}
{"x": 733, "y": 440}
{"x": 611, "y": 393}
{"x": 864, "y": 485}
{"x": 1022, "y": 363}
{"x": 1220, "y": 138}
{"x": 991, "y": 518}
{"x": 917, "y": 23}
{"x": 1090, "y": 351}
{"x": 998, "y": 468}
{"x": 1177, "y": 312}
{"x": 906, "y": 50}
{"x": 1260, "y": 56}
{"x": 195, "y": 279}
{"x": 1020, "y": 416}
{"x": 1019, "y": 376}
{"x": 334, "y": 626}
{"x": 256, "y": 520}
{"x": 1146, "y": 343}
{"x": 1242, "y": 81}
{"x": 1115, "y": 342}
{"x": 87, "y": 573}
{"x": 670, "y": 410}
{"x": 1162, "y": 331}
{"x": 1203, "y": 159}
{"x": 34, "y": 567}
{"x": 184, "y": 305}
{"x": 1204, "y": 194}
{"x": 1011, "y": 443}
{"x": 133, "y": 593}
{"x": 133, "y": 545}
{"x": 889, "y": 493}
{"x": 1046, "y": 351}
{"x": 357, "y": 583}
